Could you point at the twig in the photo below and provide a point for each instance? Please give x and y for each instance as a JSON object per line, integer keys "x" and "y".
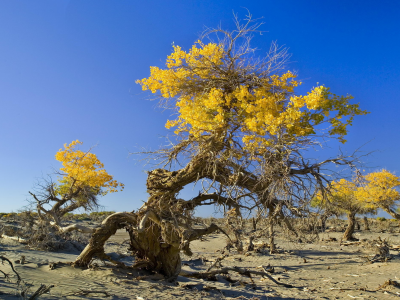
{"x": 218, "y": 260}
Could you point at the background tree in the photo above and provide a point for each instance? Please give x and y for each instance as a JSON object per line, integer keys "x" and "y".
{"x": 380, "y": 190}
{"x": 241, "y": 130}
{"x": 82, "y": 179}
{"x": 343, "y": 198}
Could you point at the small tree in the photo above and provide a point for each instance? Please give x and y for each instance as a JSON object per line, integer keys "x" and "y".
{"x": 342, "y": 198}
{"x": 82, "y": 179}
{"x": 380, "y": 190}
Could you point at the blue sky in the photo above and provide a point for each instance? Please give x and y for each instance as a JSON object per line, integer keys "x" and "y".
{"x": 68, "y": 71}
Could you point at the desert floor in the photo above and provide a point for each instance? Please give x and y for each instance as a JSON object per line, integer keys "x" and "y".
{"x": 323, "y": 269}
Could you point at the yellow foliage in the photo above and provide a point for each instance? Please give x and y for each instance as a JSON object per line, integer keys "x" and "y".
{"x": 205, "y": 105}
{"x": 367, "y": 194}
{"x": 343, "y": 198}
{"x": 83, "y": 169}
{"x": 380, "y": 189}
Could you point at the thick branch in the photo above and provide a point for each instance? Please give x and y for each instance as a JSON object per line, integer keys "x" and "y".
{"x": 73, "y": 227}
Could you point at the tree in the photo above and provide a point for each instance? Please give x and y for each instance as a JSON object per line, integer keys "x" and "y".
{"x": 241, "y": 130}
{"x": 82, "y": 178}
{"x": 343, "y": 198}
{"x": 380, "y": 190}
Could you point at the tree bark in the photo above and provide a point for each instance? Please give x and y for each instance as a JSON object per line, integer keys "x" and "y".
{"x": 391, "y": 212}
{"x": 324, "y": 218}
{"x": 348, "y": 234}
{"x": 366, "y": 223}
{"x": 272, "y": 246}
{"x": 108, "y": 227}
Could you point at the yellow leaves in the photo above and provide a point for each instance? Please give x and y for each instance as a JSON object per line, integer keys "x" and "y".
{"x": 212, "y": 95}
{"x": 343, "y": 198}
{"x": 84, "y": 169}
{"x": 380, "y": 188}
{"x": 200, "y": 59}
{"x": 365, "y": 194}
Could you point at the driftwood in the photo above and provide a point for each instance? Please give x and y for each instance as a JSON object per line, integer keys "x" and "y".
{"x": 73, "y": 227}
{"x": 14, "y": 238}
{"x": 241, "y": 271}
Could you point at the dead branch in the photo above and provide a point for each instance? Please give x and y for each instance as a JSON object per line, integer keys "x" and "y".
{"x": 241, "y": 271}
{"x": 87, "y": 292}
{"x": 12, "y": 267}
{"x": 216, "y": 262}
{"x": 43, "y": 289}
{"x": 14, "y": 238}
{"x": 73, "y": 227}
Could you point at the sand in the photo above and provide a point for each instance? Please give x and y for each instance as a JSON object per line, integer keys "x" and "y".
{"x": 320, "y": 270}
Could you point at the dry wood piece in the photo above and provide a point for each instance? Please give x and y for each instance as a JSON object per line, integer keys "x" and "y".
{"x": 12, "y": 268}
{"x": 52, "y": 266}
{"x": 14, "y": 238}
{"x": 348, "y": 243}
{"x": 389, "y": 283}
{"x": 241, "y": 271}
{"x": 216, "y": 262}
{"x": 73, "y": 227}
{"x": 87, "y": 292}
{"x": 43, "y": 289}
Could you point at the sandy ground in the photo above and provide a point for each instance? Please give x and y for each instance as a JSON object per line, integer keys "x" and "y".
{"x": 321, "y": 270}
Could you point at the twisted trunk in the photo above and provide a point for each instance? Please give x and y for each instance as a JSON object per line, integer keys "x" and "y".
{"x": 348, "y": 234}
{"x": 160, "y": 229}
{"x": 108, "y": 227}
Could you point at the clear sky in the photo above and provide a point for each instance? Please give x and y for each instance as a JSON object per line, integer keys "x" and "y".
{"x": 68, "y": 71}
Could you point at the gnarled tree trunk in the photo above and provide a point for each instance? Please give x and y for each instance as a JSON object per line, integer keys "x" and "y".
{"x": 160, "y": 229}
{"x": 348, "y": 234}
{"x": 108, "y": 227}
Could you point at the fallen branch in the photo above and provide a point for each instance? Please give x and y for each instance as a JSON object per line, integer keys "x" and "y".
{"x": 347, "y": 243}
{"x": 87, "y": 292}
{"x": 241, "y": 271}
{"x": 43, "y": 289}
{"x": 12, "y": 268}
{"x": 73, "y": 227}
{"x": 217, "y": 261}
{"x": 395, "y": 247}
{"x": 14, "y": 238}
